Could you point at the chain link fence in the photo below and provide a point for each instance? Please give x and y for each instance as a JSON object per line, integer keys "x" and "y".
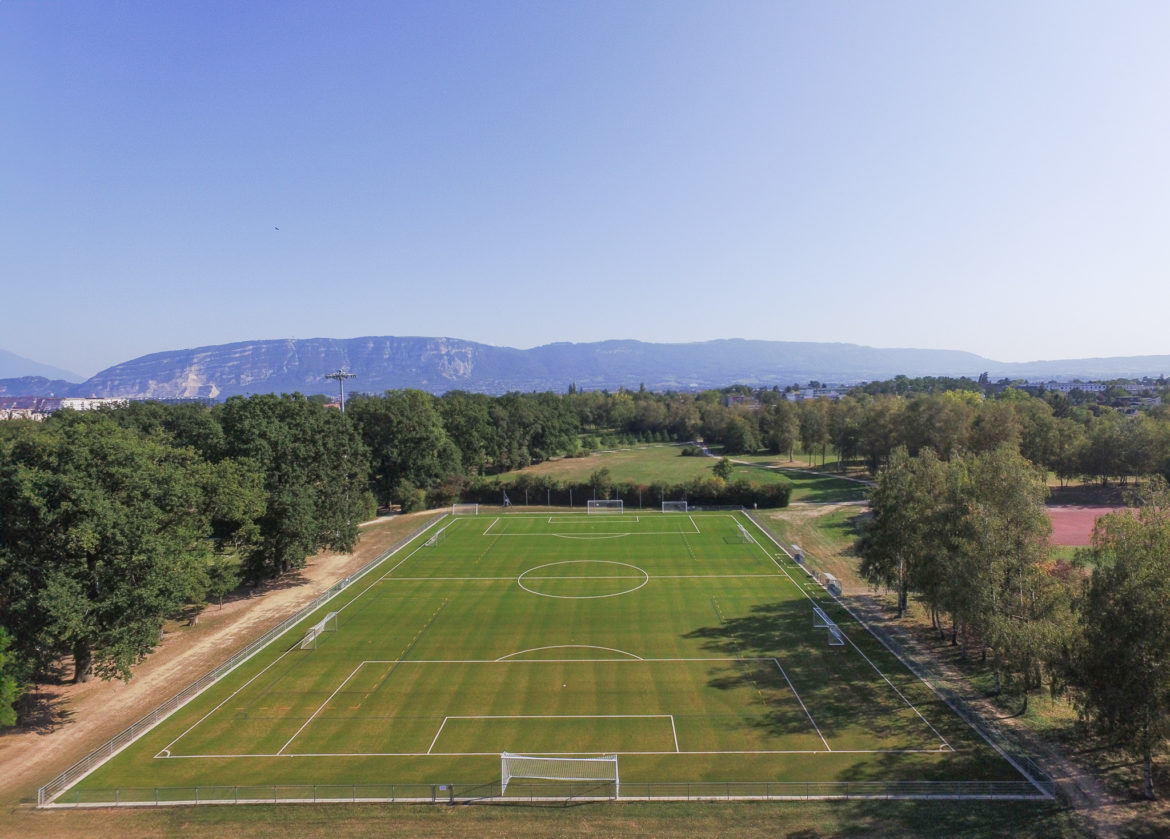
{"x": 565, "y": 793}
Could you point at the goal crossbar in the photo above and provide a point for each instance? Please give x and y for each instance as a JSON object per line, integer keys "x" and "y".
{"x": 465, "y": 509}
{"x": 603, "y": 768}
{"x": 326, "y": 624}
{"x": 604, "y": 505}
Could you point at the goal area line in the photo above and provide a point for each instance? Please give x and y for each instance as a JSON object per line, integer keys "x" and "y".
{"x": 629, "y": 660}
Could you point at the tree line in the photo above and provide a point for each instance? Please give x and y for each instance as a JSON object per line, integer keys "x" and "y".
{"x": 116, "y": 520}
{"x": 968, "y": 535}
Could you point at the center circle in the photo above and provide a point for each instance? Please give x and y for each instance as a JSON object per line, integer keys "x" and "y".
{"x": 585, "y": 579}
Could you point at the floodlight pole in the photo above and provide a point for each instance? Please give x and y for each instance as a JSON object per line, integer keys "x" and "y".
{"x": 341, "y": 376}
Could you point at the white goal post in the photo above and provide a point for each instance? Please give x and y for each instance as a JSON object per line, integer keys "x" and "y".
{"x": 604, "y": 768}
{"x": 437, "y": 537}
{"x": 326, "y": 624}
{"x": 823, "y": 621}
{"x": 744, "y": 536}
{"x": 674, "y": 507}
{"x": 465, "y": 509}
{"x": 604, "y": 505}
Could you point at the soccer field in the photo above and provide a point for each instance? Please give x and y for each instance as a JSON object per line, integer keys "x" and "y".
{"x": 685, "y": 644}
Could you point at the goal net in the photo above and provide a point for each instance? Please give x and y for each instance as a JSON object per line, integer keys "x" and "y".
{"x": 743, "y": 536}
{"x": 674, "y": 506}
{"x": 823, "y": 621}
{"x": 437, "y": 537}
{"x": 327, "y": 624}
{"x": 604, "y": 505}
{"x": 465, "y": 509}
{"x": 604, "y": 768}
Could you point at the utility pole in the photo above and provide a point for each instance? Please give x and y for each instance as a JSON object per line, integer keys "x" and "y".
{"x": 341, "y": 376}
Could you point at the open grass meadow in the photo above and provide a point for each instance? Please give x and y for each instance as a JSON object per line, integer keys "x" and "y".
{"x": 685, "y": 644}
{"x": 664, "y": 463}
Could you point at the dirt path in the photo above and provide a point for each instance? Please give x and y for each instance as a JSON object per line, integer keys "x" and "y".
{"x": 77, "y": 718}
{"x": 1101, "y": 813}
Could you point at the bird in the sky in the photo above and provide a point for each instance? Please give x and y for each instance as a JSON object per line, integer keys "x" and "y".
{"x": 276, "y": 228}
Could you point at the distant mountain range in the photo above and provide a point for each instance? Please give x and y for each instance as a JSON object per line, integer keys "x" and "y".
{"x": 442, "y": 364}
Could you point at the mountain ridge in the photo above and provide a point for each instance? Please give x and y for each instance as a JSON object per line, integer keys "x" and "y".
{"x": 440, "y": 364}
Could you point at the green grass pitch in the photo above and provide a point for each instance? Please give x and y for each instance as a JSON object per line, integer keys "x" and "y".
{"x": 667, "y": 639}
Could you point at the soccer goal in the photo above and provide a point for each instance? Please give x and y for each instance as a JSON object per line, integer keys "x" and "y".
{"x": 604, "y": 505}
{"x": 437, "y": 538}
{"x": 674, "y": 506}
{"x": 327, "y": 624}
{"x": 604, "y": 768}
{"x": 823, "y": 621}
{"x": 465, "y": 509}
{"x": 743, "y": 535}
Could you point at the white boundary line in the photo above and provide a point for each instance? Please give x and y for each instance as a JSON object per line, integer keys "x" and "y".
{"x": 320, "y": 708}
{"x": 508, "y": 660}
{"x": 868, "y": 660}
{"x": 292, "y": 649}
{"x": 913, "y": 671}
{"x": 791, "y": 687}
{"x": 572, "y": 646}
{"x": 650, "y": 753}
{"x": 474, "y": 717}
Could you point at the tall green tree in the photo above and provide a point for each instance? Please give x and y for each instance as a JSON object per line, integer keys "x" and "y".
{"x": 13, "y": 675}
{"x": 315, "y": 473}
{"x": 103, "y": 536}
{"x": 1121, "y": 677}
{"x": 900, "y": 542}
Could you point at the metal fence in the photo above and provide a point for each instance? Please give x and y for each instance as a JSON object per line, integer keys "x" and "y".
{"x": 566, "y": 793}
{"x": 115, "y": 744}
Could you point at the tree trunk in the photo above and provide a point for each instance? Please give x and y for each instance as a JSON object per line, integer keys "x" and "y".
{"x": 1148, "y": 771}
{"x": 82, "y": 664}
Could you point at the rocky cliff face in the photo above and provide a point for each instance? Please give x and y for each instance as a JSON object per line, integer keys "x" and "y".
{"x": 442, "y": 364}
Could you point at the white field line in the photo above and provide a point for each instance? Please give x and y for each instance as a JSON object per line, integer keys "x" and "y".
{"x": 591, "y": 536}
{"x": 505, "y": 660}
{"x": 477, "y": 717}
{"x": 802, "y": 705}
{"x": 490, "y": 526}
{"x": 277, "y": 660}
{"x": 877, "y": 670}
{"x": 322, "y": 706}
{"x": 598, "y": 535}
{"x": 513, "y": 578}
{"x": 572, "y": 647}
{"x": 437, "y": 733}
{"x": 566, "y": 754}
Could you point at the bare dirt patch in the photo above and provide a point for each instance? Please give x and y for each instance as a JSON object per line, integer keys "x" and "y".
{"x": 70, "y": 720}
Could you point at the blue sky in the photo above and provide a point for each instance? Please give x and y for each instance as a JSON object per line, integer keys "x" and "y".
{"x": 984, "y": 176}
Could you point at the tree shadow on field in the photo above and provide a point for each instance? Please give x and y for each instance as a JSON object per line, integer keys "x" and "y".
{"x": 781, "y": 631}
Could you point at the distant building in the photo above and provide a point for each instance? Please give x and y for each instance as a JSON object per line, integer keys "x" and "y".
{"x": 1069, "y": 387}
{"x": 39, "y": 407}
{"x": 830, "y": 393}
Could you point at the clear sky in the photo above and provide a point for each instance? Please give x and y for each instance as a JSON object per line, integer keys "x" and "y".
{"x": 983, "y": 176}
